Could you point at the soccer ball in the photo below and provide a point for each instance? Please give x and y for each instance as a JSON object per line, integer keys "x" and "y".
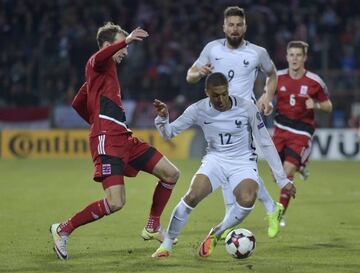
{"x": 240, "y": 243}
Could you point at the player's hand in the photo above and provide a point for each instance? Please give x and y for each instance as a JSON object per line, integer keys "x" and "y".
{"x": 138, "y": 34}
{"x": 161, "y": 108}
{"x": 310, "y": 103}
{"x": 205, "y": 70}
{"x": 265, "y": 104}
{"x": 290, "y": 189}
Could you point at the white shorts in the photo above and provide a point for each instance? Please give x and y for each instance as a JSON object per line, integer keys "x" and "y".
{"x": 227, "y": 173}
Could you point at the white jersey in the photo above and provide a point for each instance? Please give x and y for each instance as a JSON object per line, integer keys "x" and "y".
{"x": 228, "y": 134}
{"x": 239, "y": 65}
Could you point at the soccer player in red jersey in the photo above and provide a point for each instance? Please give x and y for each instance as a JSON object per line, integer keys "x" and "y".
{"x": 115, "y": 152}
{"x": 299, "y": 94}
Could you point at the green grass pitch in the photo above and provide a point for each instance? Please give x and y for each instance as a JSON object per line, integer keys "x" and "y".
{"x": 322, "y": 233}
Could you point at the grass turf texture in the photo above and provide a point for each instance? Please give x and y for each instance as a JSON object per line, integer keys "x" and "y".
{"x": 322, "y": 232}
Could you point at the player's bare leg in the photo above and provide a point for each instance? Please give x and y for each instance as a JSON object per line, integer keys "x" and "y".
{"x": 168, "y": 175}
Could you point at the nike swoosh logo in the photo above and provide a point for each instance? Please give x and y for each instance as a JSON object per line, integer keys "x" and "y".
{"x": 207, "y": 122}
{"x": 218, "y": 59}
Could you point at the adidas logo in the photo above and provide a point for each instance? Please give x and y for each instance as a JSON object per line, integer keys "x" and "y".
{"x": 283, "y": 88}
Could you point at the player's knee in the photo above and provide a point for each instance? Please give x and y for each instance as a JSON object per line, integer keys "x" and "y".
{"x": 290, "y": 169}
{"x": 192, "y": 199}
{"x": 290, "y": 175}
{"x": 116, "y": 204}
{"x": 246, "y": 199}
{"x": 172, "y": 175}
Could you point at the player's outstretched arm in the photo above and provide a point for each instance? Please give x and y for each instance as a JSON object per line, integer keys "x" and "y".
{"x": 325, "y": 106}
{"x": 162, "y": 120}
{"x": 265, "y": 101}
{"x": 262, "y": 137}
{"x": 195, "y": 73}
{"x": 107, "y": 52}
{"x": 138, "y": 34}
{"x": 169, "y": 130}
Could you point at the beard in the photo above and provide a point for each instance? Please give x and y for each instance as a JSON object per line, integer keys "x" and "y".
{"x": 235, "y": 41}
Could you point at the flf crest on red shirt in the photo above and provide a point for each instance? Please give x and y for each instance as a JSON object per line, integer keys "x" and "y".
{"x": 304, "y": 90}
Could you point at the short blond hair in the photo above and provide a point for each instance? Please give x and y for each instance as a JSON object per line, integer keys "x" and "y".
{"x": 107, "y": 33}
{"x": 299, "y": 44}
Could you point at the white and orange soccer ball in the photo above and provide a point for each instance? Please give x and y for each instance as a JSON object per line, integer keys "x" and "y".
{"x": 240, "y": 243}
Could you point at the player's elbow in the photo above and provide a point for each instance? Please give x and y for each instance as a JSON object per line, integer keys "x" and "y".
{"x": 325, "y": 106}
{"x": 75, "y": 105}
{"x": 192, "y": 76}
{"x": 189, "y": 79}
{"x": 166, "y": 137}
{"x": 329, "y": 107}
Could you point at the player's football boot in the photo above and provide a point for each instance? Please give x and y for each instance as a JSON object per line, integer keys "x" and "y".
{"x": 207, "y": 246}
{"x": 60, "y": 242}
{"x": 282, "y": 221}
{"x": 161, "y": 252}
{"x": 304, "y": 173}
{"x": 274, "y": 219}
{"x": 154, "y": 235}
{"x": 225, "y": 233}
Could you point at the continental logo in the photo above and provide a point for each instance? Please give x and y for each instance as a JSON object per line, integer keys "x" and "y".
{"x": 74, "y": 143}
{"x": 45, "y": 144}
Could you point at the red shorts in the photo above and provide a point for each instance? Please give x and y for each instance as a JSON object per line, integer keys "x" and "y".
{"x": 292, "y": 147}
{"x": 121, "y": 155}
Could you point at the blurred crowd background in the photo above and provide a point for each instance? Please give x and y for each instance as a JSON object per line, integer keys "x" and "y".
{"x": 46, "y": 43}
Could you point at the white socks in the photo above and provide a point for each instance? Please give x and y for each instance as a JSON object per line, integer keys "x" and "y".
{"x": 179, "y": 218}
{"x": 234, "y": 216}
{"x": 265, "y": 198}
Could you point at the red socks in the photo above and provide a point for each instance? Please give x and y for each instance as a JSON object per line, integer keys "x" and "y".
{"x": 91, "y": 213}
{"x": 100, "y": 208}
{"x": 161, "y": 196}
{"x": 284, "y": 197}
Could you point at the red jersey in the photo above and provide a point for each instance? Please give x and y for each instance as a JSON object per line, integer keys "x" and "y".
{"x": 79, "y": 103}
{"x": 99, "y": 99}
{"x": 291, "y": 112}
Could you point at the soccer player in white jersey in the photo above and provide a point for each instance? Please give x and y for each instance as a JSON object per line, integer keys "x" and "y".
{"x": 240, "y": 61}
{"x": 229, "y": 124}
